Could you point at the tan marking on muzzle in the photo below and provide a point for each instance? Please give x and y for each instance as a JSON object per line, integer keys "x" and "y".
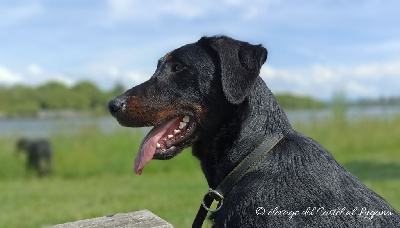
{"x": 143, "y": 114}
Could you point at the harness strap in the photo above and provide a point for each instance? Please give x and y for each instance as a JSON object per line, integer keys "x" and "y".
{"x": 223, "y": 189}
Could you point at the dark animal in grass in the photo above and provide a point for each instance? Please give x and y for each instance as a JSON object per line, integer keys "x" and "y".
{"x": 209, "y": 95}
{"x": 39, "y": 155}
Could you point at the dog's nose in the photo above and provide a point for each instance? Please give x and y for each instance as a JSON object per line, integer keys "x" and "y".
{"x": 116, "y": 105}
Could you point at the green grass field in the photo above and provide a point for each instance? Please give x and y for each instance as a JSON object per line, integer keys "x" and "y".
{"x": 94, "y": 176}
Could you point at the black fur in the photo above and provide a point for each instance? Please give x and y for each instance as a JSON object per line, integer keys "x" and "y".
{"x": 221, "y": 75}
{"x": 39, "y": 155}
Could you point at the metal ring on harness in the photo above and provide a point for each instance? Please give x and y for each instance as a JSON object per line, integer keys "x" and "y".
{"x": 216, "y": 196}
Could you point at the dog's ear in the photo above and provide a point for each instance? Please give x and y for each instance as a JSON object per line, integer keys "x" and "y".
{"x": 240, "y": 66}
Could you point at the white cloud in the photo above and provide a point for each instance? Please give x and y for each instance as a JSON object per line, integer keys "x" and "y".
{"x": 361, "y": 90}
{"x": 107, "y": 75}
{"x": 377, "y": 70}
{"x": 34, "y": 69}
{"x": 113, "y": 72}
{"x": 33, "y": 75}
{"x": 291, "y": 76}
{"x": 64, "y": 80}
{"x": 8, "y": 77}
{"x": 129, "y": 78}
{"x": 136, "y": 77}
{"x": 363, "y": 80}
{"x": 323, "y": 74}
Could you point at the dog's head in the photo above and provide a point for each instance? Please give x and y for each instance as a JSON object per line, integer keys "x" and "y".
{"x": 22, "y": 145}
{"x": 188, "y": 92}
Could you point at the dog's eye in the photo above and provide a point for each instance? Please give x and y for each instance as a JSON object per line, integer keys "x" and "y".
{"x": 177, "y": 67}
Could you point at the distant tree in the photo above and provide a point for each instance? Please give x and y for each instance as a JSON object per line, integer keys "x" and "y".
{"x": 55, "y": 95}
{"x": 86, "y": 96}
{"x": 19, "y": 100}
{"x": 90, "y": 96}
{"x": 290, "y": 101}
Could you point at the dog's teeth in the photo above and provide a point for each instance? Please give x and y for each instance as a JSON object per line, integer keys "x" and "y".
{"x": 176, "y": 131}
{"x": 182, "y": 125}
{"x": 186, "y": 119}
{"x": 170, "y": 136}
{"x": 158, "y": 145}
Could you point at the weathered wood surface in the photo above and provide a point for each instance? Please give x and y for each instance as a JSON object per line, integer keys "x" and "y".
{"x": 143, "y": 218}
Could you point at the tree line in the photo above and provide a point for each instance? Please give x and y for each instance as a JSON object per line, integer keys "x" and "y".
{"x": 291, "y": 101}
{"x": 85, "y": 96}
{"x": 22, "y": 100}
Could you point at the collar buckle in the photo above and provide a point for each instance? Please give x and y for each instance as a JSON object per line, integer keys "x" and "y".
{"x": 217, "y": 196}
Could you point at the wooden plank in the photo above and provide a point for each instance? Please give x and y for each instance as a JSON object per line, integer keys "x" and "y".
{"x": 142, "y": 218}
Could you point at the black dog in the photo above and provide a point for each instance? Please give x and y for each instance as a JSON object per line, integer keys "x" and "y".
{"x": 39, "y": 155}
{"x": 209, "y": 95}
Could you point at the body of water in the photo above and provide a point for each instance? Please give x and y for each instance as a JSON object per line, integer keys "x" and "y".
{"x": 36, "y": 128}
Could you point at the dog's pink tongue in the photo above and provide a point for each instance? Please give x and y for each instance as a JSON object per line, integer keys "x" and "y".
{"x": 148, "y": 145}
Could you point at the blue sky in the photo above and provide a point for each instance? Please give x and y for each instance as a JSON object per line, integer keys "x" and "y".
{"x": 315, "y": 47}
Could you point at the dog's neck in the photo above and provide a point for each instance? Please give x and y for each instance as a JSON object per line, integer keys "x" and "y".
{"x": 244, "y": 129}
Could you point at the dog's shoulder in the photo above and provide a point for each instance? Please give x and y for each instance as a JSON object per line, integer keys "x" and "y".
{"x": 300, "y": 174}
